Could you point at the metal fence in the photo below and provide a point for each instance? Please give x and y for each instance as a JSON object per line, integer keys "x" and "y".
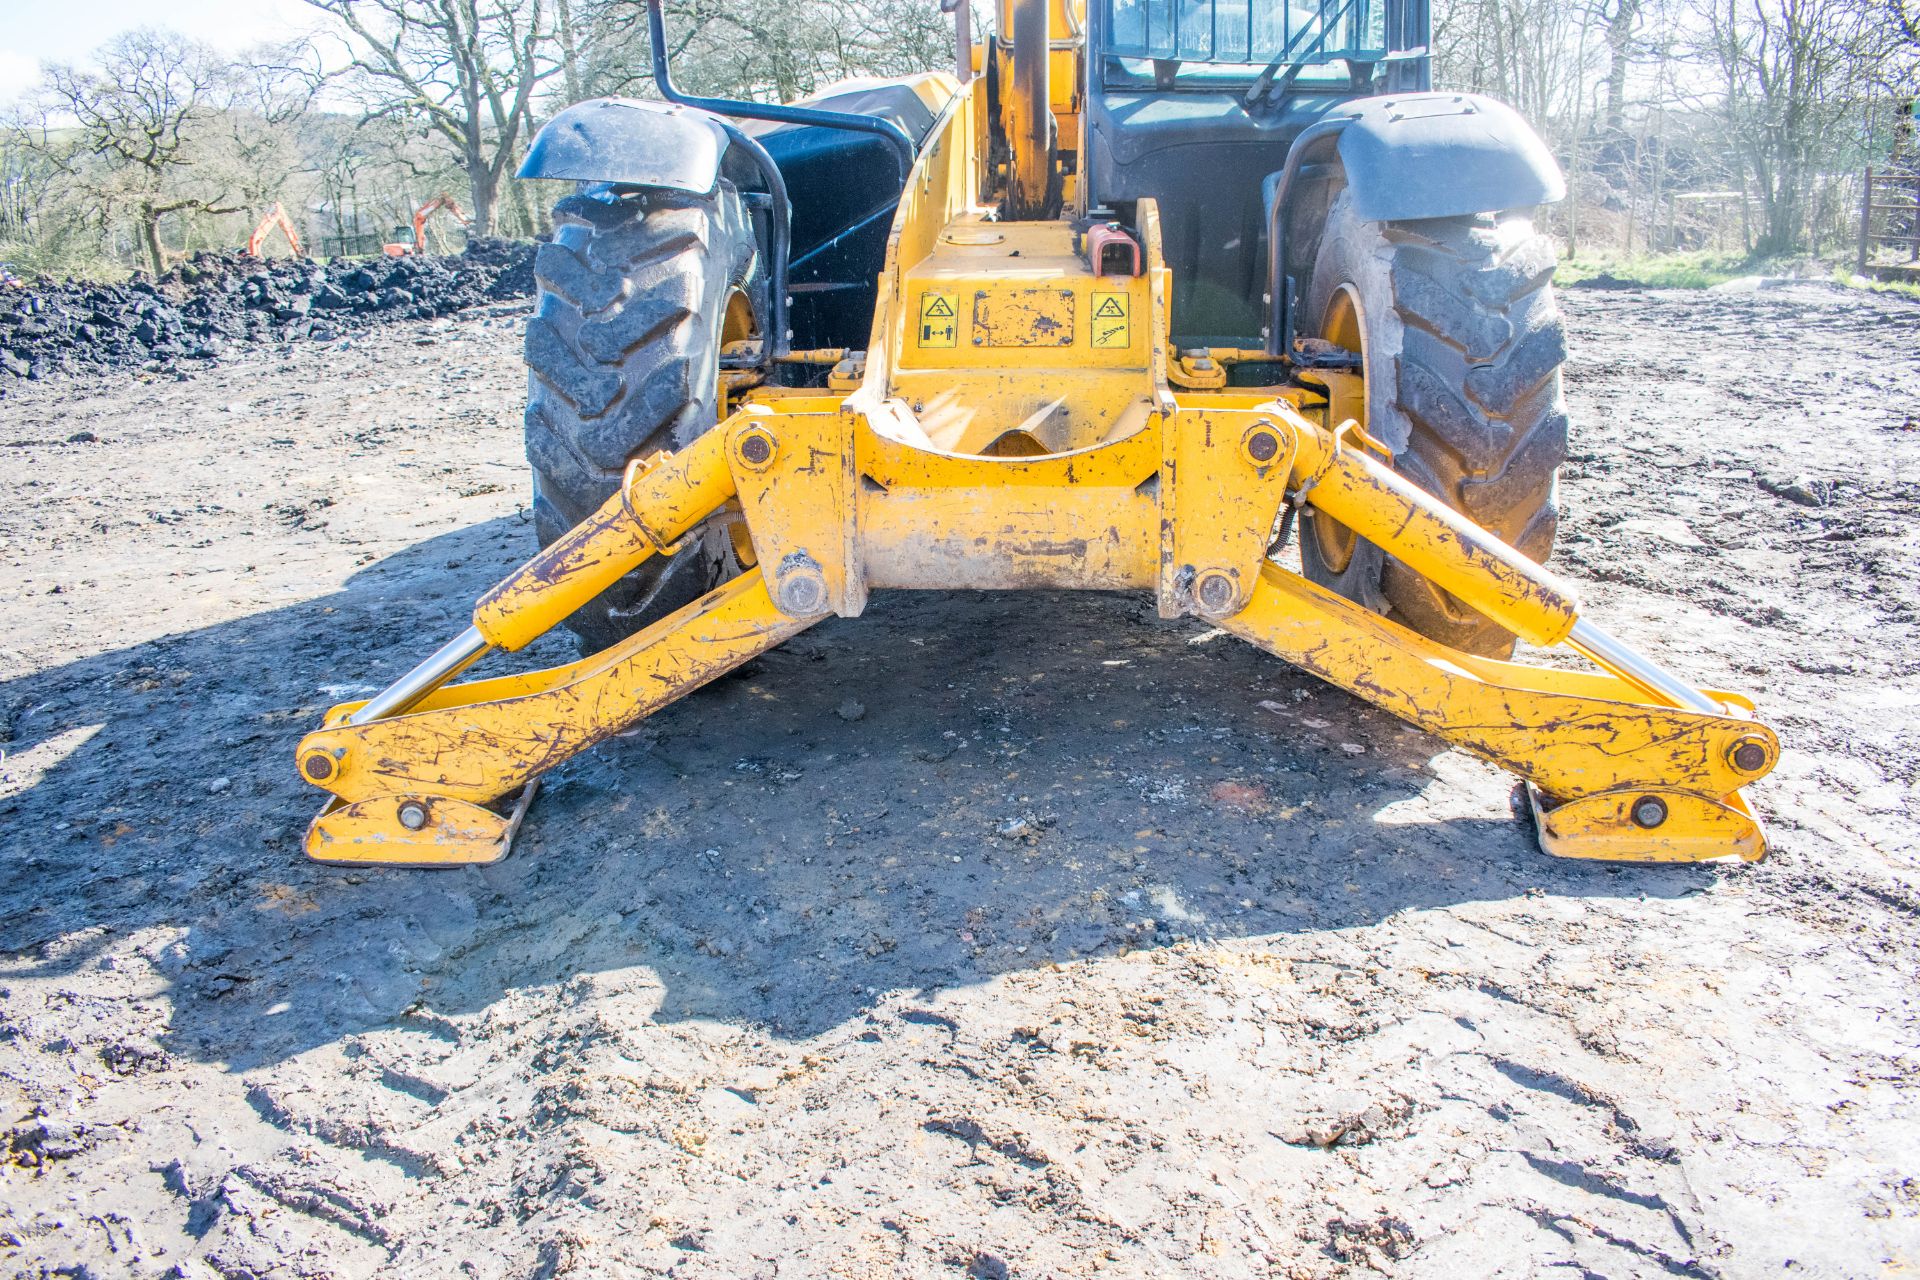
{"x": 442, "y": 237}
{"x": 1890, "y": 222}
{"x": 351, "y": 246}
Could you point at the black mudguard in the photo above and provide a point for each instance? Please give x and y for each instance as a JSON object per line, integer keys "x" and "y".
{"x": 843, "y": 185}
{"x": 630, "y": 141}
{"x": 1443, "y": 155}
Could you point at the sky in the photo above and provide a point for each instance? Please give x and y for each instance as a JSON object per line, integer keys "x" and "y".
{"x": 32, "y": 31}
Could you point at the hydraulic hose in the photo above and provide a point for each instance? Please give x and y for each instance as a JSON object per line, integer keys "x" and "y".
{"x": 895, "y": 136}
{"x": 1279, "y": 320}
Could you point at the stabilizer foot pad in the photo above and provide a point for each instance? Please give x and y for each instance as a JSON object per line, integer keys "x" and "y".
{"x": 414, "y": 831}
{"x": 1647, "y": 824}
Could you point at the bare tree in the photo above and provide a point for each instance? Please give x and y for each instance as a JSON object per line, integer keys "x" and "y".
{"x": 569, "y": 49}
{"x": 466, "y": 71}
{"x": 1621, "y": 20}
{"x": 1793, "y": 74}
{"x": 24, "y": 175}
{"x": 257, "y": 144}
{"x": 1903, "y": 17}
{"x": 766, "y": 49}
{"x": 42, "y": 228}
{"x": 142, "y": 115}
{"x": 1532, "y": 54}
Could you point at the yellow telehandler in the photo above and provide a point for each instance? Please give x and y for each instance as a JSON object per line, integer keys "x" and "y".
{"x": 1140, "y": 293}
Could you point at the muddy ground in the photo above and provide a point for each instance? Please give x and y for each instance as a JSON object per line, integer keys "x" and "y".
{"x": 1257, "y": 982}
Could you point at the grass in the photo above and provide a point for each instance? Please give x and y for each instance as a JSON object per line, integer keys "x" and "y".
{"x": 1698, "y": 270}
{"x": 1704, "y": 269}
{"x": 1845, "y": 276}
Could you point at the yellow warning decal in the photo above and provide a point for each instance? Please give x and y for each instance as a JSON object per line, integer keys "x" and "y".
{"x": 1112, "y": 320}
{"x": 939, "y": 323}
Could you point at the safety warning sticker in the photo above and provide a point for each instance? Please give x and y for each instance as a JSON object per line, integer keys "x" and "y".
{"x": 939, "y": 323}
{"x": 1112, "y": 320}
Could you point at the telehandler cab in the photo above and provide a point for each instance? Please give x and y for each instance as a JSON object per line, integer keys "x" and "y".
{"x": 1164, "y": 282}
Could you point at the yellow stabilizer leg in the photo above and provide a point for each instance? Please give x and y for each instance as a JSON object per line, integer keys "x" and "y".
{"x": 1626, "y": 780}
{"x": 415, "y": 831}
{"x": 1648, "y": 824}
{"x": 461, "y": 746}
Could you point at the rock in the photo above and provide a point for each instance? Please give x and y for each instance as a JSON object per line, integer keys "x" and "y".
{"x": 134, "y": 1056}
{"x": 1665, "y": 528}
{"x": 80, "y": 326}
{"x": 988, "y": 1266}
{"x": 850, "y": 710}
{"x": 43, "y": 1139}
{"x": 1370, "y": 1243}
{"x": 1021, "y": 826}
{"x": 1802, "y": 489}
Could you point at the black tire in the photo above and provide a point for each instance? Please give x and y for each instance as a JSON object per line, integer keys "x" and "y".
{"x": 623, "y": 361}
{"x": 1462, "y": 345}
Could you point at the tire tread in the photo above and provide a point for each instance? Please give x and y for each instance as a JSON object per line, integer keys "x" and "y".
{"x": 621, "y": 359}
{"x": 1476, "y": 375}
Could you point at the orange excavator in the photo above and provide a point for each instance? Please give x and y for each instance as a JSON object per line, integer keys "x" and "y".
{"x": 276, "y": 218}
{"x": 440, "y": 203}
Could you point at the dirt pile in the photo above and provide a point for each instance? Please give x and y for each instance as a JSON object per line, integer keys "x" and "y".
{"x": 215, "y": 301}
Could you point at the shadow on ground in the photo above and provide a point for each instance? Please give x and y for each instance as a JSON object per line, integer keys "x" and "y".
{"x": 951, "y": 787}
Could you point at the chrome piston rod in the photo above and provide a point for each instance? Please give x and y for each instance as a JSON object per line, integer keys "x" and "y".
{"x": 1585, "y": 639}
{"x": 447, "y": 662}
{"x": 1638, "y": 670}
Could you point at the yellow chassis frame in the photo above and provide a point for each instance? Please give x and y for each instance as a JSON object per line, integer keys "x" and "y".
{"x": 1174, "y": 491}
